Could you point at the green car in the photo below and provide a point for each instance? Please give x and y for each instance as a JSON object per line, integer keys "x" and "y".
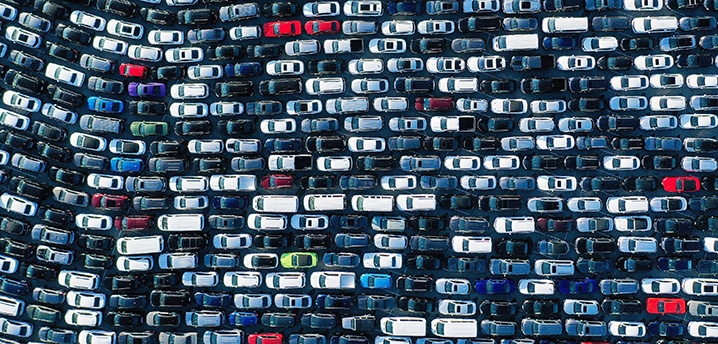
{"x": 149, "y": 128}
{"x": 298, "y": 260}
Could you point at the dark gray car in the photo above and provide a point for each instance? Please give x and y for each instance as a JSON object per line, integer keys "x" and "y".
{"x": 145, "y": 184}
{"x": 541, "y": 327}
{"x": 585, "y": 328}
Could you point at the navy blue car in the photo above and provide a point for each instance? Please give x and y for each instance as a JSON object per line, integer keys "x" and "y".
{"x": 494, "y": 286}
{"x": 243, "y": 69}
{"x": 404, "y": 8}
{"x": 577, "y": 286}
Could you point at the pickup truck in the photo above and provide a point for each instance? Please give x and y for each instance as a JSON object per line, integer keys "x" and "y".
{"x": 522, "y": 63}
{"x": 362, "y": 323}
{"x": 333, "y": 280}
{"x": 338, "y": 46}
{"x": 440, "y": 124}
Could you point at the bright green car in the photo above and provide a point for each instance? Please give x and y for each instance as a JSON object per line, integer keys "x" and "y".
{"x": 149, "y": 128}
{"x": 298, "y": 260}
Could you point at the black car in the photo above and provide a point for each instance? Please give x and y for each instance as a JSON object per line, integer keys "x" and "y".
{"x": 25, "y": 60}
{"x": 236, "y": 127}
{"x": 634, "y": 264}
{"x": 659, "y": 162}
{"x": 157, "y": 16}
{"x": 514, "y": 247}
{"x": 606, "y": 184}
{"x": 598, "y": 246}
{"x": 495, "y": 124}
{"x": 415, "y": 283}
{"x": 550, "y": 224}
{"x": 404, "y": 7}
{"x": 193, "y": 128}
{"x": 414, "y": 85}
{"x": 582, "y": 162}
{"x": 53, "y": 152}
{"x": 456, "y": 201}
{"x": 376, "y": 302}
{"x": 122, "y": 8}
{"x": 680, "y": 226}
{"x": 62, "y": 52}
{"x": 673, "y": 245}
{"x": 542, "y": 308}
{"x": 427, "y": 223}
{"x": 271, "y": 241}
{"x": 682, "y": 4}
{"x": 636, "y": 44}
{"x": 587, "y": 84}
{"x": 641, "y": 183}
{"x": 621, "y": 306}
{"x": 65, "y": 96}
{"x": 611, "y": 23}
{"x": 543, "y": 85}
{"x": 169, "y": 298}
{"x": 168, "y": 73}
{"x": 616, "y": 123}
{"x": 196, "y": 16}
{"x": 627, "y": 143}
{"x": 29, "y": 188}
{"x": 480, "y": 143}
{"x": 499, "y": 308}
{"x": 594, "y": 266}
{"x": 424, "y": 263}
{"x": 23, "y": 82}
{"x": 427, "y": 243}
{"x": 375, "y": 163}
{"x": 236, "y": 89}
{"x": 73, "y": 35}
{"x": 280, "y": 9}
{"x": 325, "y": 67}
{"x": 707, "y": 266}
{"x": 125, "y": 319}
{"x": 465, "y": 264}
{"x": 225, "y": 52}
{"x": 541, "y": 162}
{"x": 166, "y": 148}
{"x": 13, "y": 226}
{"x": 479, "y": 24}
{"x": 177, "y": 242}
{"x": 280, "y": 86}
{"x": 403, "y": 143}
{"x": 466, "y": 45}
{"x": 52, "y": 9}
{"x": 318, "y": 182}
{"x": 562, "y": 5}
{"x": 312, "y": 241}
{"x": 499, "y": 203}
{"x": 16, "y": 141}
{"x": 694, "y": 60}
{"x": 95, "y": 242}
{"x": 325, "y": 144}
{"x": 586, "y": 104}
{"x": 441, "y": 143}
{"x": 147, "y": 108}
{"x": 415, "y": 304}
{"x": 56, "y": 216}
{"x": 109, "y": 86}
{"x": 48, "y": 132}
{"x": 428, "y": 45}
{"x": 127, "y": 301}
{"x": 497, "y": 86}
{"x": 264, "y": 51}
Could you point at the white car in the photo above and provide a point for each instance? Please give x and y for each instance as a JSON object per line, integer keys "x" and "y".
{"x": 58, "y": 113}
{"x": 320, "y": 86}
{"x": 486, "y": 64}
{"x": 248, "y": 259}
{"x": 462, "y": 163}
{"x": 239, "y": 33}
{"x": 398, "y": 27}
{"x": 110, "y": 45}
{"x": 18, "y": 205}
{"x": 518, "y": 143}
{"x": 501, "y": 162}
{"x": 21, "y": 101}
{"x": 555, "y": 142}
{"x": 285, "y": 280}
{"x": 509, "y": 106}
{"x": 387, "y": 45}
{"x": 627, "y": 328}
{"x": 309, "y": 222}
{"x": 405, "y": 65}
{"x": 462, "y": 85}
{"x": 657, "y": 286}
{"x": 627, "y": 204}
{"x": 457, "y": 307}
{"x": 536, "y": 287}
{"x": 633, "y": 223}
{"x": 666, "y": 204}
{"x": 334, "y": 163}
{"x": 575, "y": 124}
{"x": 105, "y": 181}
{"x": 64, "y": 74}
{"x": 668, "y": 103}
{"x": 471, "y": 105}
{"x": 478, "y": 6}
{"x": 189, "y": 184}
{"x": 642, "y": 5}
{"x": 599, "y": 44}
{"x": 225, "y": 108}
{"x": 576, "y": 63}
{"x": 94, "y": 221}
{"x": 23, "y": 37}
{"x": 14, "y": 120}
{"x": 628, "y": 103}
{"x": 184, "y": 55}
{"x": 165, "y": 37}
{"x": 304, "y": 107}
{"x": 285, "y": 67}
{"x": 584, "y": 204}
{"x": 144, "y": 53}
{"x": 703, "y": 329}
{"x": 96, "y": 336}
{"x": 629, "y": 82}
{"x": 390, "y": 104}
{"x": 83, "y": 318}
{"x": 88, "y": 20}
{"x": 233, "y": 182}
{"x": 231, "y": 241}
{"x": 188, "y": 110}
{"x": 200, "y": 279}
{"x": 698, "y": 121}
{"x": 653, "y": 62}
{"x": 359, "y": 27}
{"x": 416, "y": 202}
{"x": 650, "y": 25}
{"x": 243, "y": 279}
{"x": 550, "y": 267}
{"x": 548, "y": 106}
{"x": 621, "y": 163}
{"x": 702, "y": 81}
{"x": 191, "y": 202}
{"x": 207, "y": 146}
{"x": 321, "y": 9}
{"x": 453, "y": 286}
{"x": 238, "y": 146}
{"x": 278, "y": 126}
{"x": 536, "y": 124}
{"x": 478, "y": 182}
{"x": 177, "y": 260}
{"x": 445, "y": 65}
{"x": 363, "y": 123}
{"x": 698, "y": 164}
{"x": 366, "y": 144}
{"x": 189, "y": 91}
{"x": 400, "y": 182}
{"x": 556, "y": 183}
{"x": 369, "y": 86}
{"x": 15, "y": 328}
{"x": 363, "y": 8}
{"x": 127, "y": 147}
{"x": 470, "y": 244}
{"x": 134, "y": 263}
{"x": 436, "y": 27}
{"x": 365, "y": 66}
{"x": 700, "y": 286}
{"x": 658, "y": 122}
{"x": 666, "y": 80}
{"x": 302, "y": 47}
{"x": 125, "y": 29}
{"x": 382, "y": 260}
{"x": 511, "y": 225}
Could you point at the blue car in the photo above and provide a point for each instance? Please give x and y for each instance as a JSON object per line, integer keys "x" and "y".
{"x": 495, "y": 286}
{"x": 212, "y": 299}
{"x": 577, "y": 286}
{"x": 375, "y": 281}
{"x": 243, "y": 318}
{"x": 674, "y": 264}
{"x": 228, "y": 202}
{"x": 126, "y": 164}
{"x": 666, "y": 329}
{"x": 328, "y": 301}
{"x": 559, "y": 43}
{"x": 14, "y": 287}
{"x": 243, "y": 69}
{"x": 104, "y": 105}
{"x": 404, "y": 8}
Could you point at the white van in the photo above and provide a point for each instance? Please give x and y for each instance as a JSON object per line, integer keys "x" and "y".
{"x": 471, "y": 244}
{"x": 516, "y": 42}
{"x": 373, "y": 203}
{"x": 140, "y": 245}
{"x": 11, "y": 307}
{"x": 181, "y": 222}
{"x": 325, "y": 202}
{"x": 276, "y": 204}
{"x": 403, "y": 326}
{"x": 564, "y": 24}
{"x": 510, "y": 225}
{"x": 416, "y": 202}
{"x": 455, "y": 328}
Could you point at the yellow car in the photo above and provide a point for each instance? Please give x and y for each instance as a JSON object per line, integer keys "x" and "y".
{"x": 298, "y": 260}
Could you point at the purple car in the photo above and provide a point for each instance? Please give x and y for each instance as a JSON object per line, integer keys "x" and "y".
{"x": 150, "y": 89}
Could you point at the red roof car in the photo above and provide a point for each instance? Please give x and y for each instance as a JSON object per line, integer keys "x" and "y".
{"x": 277, "y": 181}
{"x": 135, "y": 222}
{"x": 109, "y": 202}
{"x": 681, "y": 184}
{"x": 264, "y": 338}
{"x": 316, "y": 27}
{"x": 660, "y": 305}
{"x": 282, "y": 28}
{"x": 134, "y": 71}
{"x": 434, "y": 104}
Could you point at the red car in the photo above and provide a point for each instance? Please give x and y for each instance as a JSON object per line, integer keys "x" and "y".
{"x": 134, "y": 71}
{"x": 109, "y": 202}
{"x": 282, "y": 28}
{"x": 277, "y": 181}
{"x": 265, "y": 338}
{"x": 434, "y": 104}
{"x": 660, "y": 305}
{"x": 136, "y": 222}
{"x": 317, "y": 27}
{"x": 681, "y": 184}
